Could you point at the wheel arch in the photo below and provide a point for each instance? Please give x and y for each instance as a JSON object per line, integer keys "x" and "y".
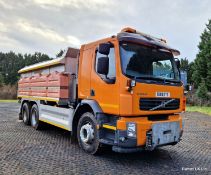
{"x": 84, "y": 106}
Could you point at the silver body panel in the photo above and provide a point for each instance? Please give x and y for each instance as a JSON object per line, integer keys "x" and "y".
{"x": 57, "y": 116}
{"x": 164, "y": 133}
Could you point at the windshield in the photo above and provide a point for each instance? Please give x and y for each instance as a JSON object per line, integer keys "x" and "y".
{"x": 139, "y": 61}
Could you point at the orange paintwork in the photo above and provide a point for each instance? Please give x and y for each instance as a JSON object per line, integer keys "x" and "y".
{"x": 114, "y": 98}
{"x": 107, "y": 95}
{"x": 142, "y": 90}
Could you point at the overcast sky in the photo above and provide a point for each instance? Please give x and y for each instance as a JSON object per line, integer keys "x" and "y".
{"x": 47, "y": 26}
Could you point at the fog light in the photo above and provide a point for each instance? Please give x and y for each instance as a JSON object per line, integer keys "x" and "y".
{"x": 131, "y": 130}
{"x": 122, "y": 139}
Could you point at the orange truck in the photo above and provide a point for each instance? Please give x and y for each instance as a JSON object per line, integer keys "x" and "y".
{"x": 124, "y": 91}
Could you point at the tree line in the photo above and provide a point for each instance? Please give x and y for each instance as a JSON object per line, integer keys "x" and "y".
{"x": 11, "y": 62}
{"x": 199, "y": 71}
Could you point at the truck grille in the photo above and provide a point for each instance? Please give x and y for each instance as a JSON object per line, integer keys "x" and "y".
{"x": 156, "y": 104}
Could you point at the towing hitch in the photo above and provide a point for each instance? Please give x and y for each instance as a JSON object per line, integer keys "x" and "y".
{"x": 149, "y": 144}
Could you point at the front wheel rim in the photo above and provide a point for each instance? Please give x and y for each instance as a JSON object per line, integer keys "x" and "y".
{"x": 87, "y": 133}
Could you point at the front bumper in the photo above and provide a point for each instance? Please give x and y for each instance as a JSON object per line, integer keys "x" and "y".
{"x": 149, "y": 134}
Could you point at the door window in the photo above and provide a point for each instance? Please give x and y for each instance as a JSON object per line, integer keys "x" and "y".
{"x": 112, "y": 65}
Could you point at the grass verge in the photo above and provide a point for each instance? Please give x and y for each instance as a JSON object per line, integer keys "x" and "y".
{"x": 204, "y": 110}
{"x": 8, "y": 101}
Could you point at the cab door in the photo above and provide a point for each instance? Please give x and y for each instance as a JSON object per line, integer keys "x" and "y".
{"x": 105, "y": 88}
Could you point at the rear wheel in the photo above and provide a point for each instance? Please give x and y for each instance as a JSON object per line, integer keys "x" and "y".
{"x": 87, "y": 133}
{"x": 35, "y": 123}
{"x": 25, "y": 114}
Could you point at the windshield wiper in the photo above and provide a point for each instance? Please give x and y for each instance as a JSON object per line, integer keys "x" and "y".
{"x": 164, "y": 80}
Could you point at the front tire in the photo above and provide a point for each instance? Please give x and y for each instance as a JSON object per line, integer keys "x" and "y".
{"x": 87, "y": 133}
{"x": 35, "y": 123}
{"x": 26, "y": 114}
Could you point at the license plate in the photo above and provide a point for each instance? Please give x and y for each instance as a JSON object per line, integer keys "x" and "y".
{"x": 162, "y": 94}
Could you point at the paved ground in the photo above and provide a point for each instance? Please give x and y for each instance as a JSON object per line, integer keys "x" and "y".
{"x": 26, "y": 151}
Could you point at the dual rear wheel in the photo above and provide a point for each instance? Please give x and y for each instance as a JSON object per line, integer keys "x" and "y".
{"x": 26, "y": 113}
{"x": 30, "y": 116}
{"x": 87, "y": 131}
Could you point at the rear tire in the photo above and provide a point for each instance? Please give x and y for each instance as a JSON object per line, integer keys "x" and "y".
{"x": 87, "y": 133}
{"x": 25, "y": 114}
{"x": 35, "y": 123}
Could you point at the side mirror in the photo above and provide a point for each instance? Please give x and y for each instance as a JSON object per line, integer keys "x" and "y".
{"x": 103, "y": 65}
{"x": 104, "y": 48}
{"x": 177, "y": 61}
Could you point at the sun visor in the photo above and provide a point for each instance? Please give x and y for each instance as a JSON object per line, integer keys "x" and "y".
{"x": 149, "y": 41}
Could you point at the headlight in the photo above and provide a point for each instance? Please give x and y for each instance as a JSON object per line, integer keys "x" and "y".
{"x": 131, "y": 129}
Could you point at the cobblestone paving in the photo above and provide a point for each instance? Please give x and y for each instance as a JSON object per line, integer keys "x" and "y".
{"x": 24, "y": 150}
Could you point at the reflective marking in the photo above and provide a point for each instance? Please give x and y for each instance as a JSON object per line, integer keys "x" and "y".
{"x": 39, "y": 98}
{"x": 109, "y": 105}
{"x": 55, "y": 124}
{"x": 109, "y": 127}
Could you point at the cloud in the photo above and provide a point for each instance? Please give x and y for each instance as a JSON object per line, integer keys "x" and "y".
{"x": 6, "y": 5}
{"x": 51, "y": 25}
{"x": 73, "y": 3}
{"x": 47, "y": 33}
{"x": 3, "y": 27}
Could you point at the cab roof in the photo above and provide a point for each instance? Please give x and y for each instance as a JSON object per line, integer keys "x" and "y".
{"x": 130, "y": 34}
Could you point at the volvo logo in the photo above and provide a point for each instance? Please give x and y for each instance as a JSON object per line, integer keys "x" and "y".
{"x": 162, "y": 105}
